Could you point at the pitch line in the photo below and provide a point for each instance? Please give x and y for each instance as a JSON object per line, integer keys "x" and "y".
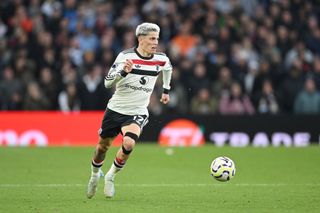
{"x": 53, "y": 185}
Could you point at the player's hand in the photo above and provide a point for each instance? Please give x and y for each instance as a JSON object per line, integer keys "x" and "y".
{"x": 128, "y": 66}
{"x": 165, "y": 98}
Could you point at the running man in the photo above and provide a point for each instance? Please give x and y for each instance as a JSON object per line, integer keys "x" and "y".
{"x": 134, "y": 74}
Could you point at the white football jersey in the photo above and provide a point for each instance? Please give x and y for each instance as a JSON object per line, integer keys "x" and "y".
{"x": 133, "y": 91}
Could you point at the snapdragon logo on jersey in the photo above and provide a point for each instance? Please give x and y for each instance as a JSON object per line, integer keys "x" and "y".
{"x": 144, "y": 80}
{"x": 147, "y": 90}
{"x": 181, "y": 132}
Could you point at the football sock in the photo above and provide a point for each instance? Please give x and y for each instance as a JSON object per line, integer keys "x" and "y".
{"x": 96, "y": 166}
{"x": 117, "y": 165}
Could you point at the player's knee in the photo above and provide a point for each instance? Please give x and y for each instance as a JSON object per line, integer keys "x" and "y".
{"x": 129, "y": 141}
{"x": 127, "y": 146}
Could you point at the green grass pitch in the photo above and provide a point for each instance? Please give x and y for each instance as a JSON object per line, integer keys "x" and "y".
{"x": 267, "y": 180}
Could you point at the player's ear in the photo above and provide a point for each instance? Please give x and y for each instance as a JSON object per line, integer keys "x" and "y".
{"x": 140, "y": 38}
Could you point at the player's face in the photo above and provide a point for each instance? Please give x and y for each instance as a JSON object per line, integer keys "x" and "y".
{"x": 149, "y": 42}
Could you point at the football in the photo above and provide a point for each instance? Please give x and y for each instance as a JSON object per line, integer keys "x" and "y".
{"x": 222, "y": 169}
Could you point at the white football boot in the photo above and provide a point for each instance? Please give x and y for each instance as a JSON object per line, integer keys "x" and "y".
{"x": 93, "y": 184}
{"x": 109, "y": 189}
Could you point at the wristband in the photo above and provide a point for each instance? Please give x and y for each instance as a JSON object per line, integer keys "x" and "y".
{"x": 165, "y": 91}
{"x": 123, "y": 73}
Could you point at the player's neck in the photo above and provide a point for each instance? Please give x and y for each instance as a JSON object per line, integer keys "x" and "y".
{"x": 143, "y": 53}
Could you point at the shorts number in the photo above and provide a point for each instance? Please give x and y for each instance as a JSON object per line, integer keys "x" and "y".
{"x": 141, "y": 120}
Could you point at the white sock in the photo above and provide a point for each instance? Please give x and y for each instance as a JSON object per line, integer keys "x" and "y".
{"x": 113, "y": 170}
{"x": 95, "y": 170}
{"x": 95, "y": 167}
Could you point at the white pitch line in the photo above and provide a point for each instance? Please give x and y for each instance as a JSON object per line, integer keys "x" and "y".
{"x": 50, "y": 185}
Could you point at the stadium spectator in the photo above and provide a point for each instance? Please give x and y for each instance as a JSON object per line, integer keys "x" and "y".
{"x": 235, "y": 102}
{"x": 184, "y": 42}
{"x": 24, "y": 68}
{"x": 263, "y": 74}
{"x": 211, "y": 58}
{"x": 299, "y": 51}
{"x": 292, "y": 85}
{"x": 199, "y": 79}
{"x": 91, "y": 90}
{"x": 49, "y": 87}
{"x": 87, "y": 40}
{"x": 68, "y": 99}
{"x": 308, "y": 100}
{"x": 35, "y": 99}
{"x": 316, "y": 71}
{"x": 178, "y": 98}
{"x": 75, "y": 53}
{"x": 11, "y": 90}
{"x": 155, "y": 6}
{"x": 223, "y": 84}
{"x": 203, "y": 102}
{"x": 267, "y": 100}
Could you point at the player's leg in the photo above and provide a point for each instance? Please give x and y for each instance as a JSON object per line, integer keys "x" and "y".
{"x": 109, "y": 129}
{"x": 100, "y": 153}
{"x": 97, "y": 161}
{"x": 131, "y": 134}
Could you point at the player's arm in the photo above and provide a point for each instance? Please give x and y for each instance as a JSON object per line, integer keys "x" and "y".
{"x": 118, "y": 71}
{"x": 166, "y": 76}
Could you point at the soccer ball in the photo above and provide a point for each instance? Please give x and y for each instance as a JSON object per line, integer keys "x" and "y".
{"x": 222, "y": 169}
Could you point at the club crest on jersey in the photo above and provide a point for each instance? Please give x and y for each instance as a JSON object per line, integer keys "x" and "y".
{"x": 137, "y": 66}
{"x": 157, "y": 67}
{"x": 144, "y": 80}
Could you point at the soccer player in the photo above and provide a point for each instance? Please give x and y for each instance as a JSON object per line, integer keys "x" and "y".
{"x": 134, "y": 74}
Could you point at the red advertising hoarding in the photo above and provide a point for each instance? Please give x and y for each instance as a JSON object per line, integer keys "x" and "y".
{"x": 181, "y": 132}
{"x": 49, "y": 128}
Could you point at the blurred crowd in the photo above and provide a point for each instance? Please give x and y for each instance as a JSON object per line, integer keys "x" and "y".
{"x": 229, "y": 56}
